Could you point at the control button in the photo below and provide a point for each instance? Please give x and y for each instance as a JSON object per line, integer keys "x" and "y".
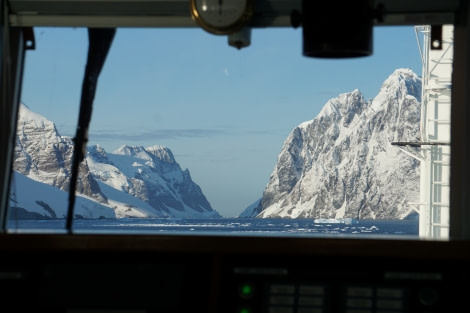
{"x": 282, "y": 300}
{"x": 389, "y": 304}
{"x": 359, "y": 292}
{"x": 280, "y": 309}
{"x": 285, "y": 289}
{"x": 359, "y": 303}
{"x": 390, "y": 292}
{"x": 310, "y": 301}
{"x": 312, "y": 290}
{"x": 246, "y": 291}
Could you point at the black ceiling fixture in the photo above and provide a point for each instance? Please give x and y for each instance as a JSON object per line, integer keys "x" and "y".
{"x": 338, "y": 28}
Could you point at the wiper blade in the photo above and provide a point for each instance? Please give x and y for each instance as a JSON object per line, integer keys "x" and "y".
{"x": 100, "y": 40}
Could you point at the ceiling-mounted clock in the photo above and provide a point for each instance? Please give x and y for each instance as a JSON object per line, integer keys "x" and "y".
{"x": 222, "y": 17}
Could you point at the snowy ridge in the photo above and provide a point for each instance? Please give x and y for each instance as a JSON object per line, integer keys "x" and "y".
{"x": 152, "y": 176}
{"x": 342, "y": 164}
{"x": 132, "y": 181}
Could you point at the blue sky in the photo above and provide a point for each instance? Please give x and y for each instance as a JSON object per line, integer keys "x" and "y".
{"x": 223, "y": 112}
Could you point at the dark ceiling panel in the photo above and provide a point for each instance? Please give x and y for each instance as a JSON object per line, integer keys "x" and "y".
{"x": 175, "y": 13}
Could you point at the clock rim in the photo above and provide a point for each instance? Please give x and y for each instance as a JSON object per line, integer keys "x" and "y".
{"x": 227, "y": 29}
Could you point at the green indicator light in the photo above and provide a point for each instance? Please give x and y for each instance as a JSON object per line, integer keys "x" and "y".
{"x": 246, "y": 290}
{"x": 244, "y": 310}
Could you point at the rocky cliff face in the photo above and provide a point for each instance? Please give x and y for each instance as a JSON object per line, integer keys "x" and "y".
{"x": 342, "y": 164}
{"x": 43, "y": 155}
{"x": 153, "y": 176}
{"x": 131, "y": 182}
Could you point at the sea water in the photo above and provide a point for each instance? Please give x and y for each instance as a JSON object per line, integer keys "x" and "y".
{"x": 227, "y": 226}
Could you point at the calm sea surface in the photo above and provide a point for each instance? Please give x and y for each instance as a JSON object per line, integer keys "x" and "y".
{"x": 226, "y": 226}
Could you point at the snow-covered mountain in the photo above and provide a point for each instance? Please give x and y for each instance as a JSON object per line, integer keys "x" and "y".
{"x": 43, "y": 155}
{"x": 342, "y": 164}
{"x": 30, "y": 199}
{"x": 129, "y": 182}
{"x": 151, "y": 175}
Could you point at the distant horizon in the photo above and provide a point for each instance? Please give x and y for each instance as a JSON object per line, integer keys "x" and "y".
{"x": 224, "y": 113}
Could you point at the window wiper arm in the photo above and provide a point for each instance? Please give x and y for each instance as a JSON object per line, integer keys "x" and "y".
{"x": 99, "y": 40}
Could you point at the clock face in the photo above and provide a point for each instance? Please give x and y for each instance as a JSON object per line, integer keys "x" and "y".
{"x": 221, "y": 16}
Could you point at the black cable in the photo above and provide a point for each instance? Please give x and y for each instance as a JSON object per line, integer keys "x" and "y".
{"x": 100, "y": 40}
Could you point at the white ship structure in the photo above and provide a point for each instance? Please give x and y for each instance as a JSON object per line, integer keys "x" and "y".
{"x": 433, "y": 147}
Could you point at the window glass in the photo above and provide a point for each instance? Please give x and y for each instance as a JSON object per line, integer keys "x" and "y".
{"x": 189, "y": 134}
